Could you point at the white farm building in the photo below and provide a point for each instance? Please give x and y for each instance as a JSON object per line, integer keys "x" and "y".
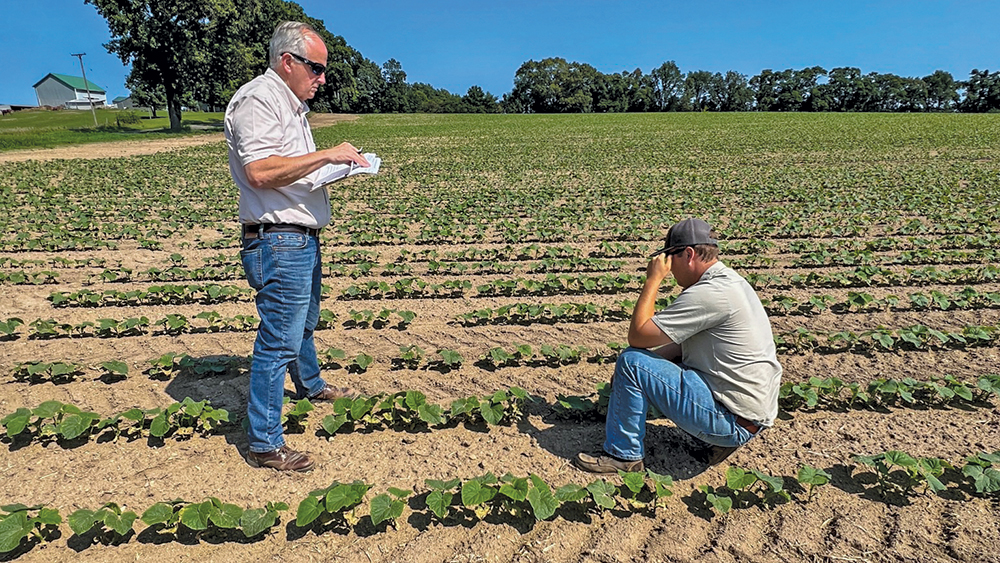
{"x": 70, "y": 91}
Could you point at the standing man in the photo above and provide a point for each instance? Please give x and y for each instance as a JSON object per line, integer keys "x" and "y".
{"x": 272, "y": 157}
{"x": 707, "y": 362}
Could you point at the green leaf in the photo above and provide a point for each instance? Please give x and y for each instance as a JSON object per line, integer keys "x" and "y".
{"x": 384, "y": 508}
{"x": 159, "y": 425}
{"x": 811, "y": 476}
{"x": 739, "y": 479}
{"x": 634, "y": 481}
{"x": 226, "y": 516}
{"x": 254, "y": 521}
{"x": 331, "y": 423}
{"x": 602, "y": 493}
{"x": 75, "y": 425}
{"x": 475, "y": 493}
{"x": 442, "y": 485}
{"x": 121, "y": 524}
{"x": 116, "y": 367}
{"x": 439, "y": 501}
{"x": 431, "y": 414}
{"x": 540, "y": 497}
{"x": 571, "y": 492}
{"x": 81, "y": 521}
{"x": 492, "y": 413}
{"x": 16, "y": 421}
{"x": 13, "y": 529}
{"x": 48, "y": 517}
{"x": 899, "y": 458}
{"x": 159, "y": 513}
{"x": 196, "y": 515}
{"x": 515, "y": 489}
{"x": 308, "y": 511}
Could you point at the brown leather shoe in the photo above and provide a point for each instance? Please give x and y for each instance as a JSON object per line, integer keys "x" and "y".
{"x": 331, "y": 393}
{"x": 606, "y": 464}
{"x": 282, "y": 459}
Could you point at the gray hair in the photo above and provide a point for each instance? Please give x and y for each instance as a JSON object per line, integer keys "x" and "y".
{"x": 289, "y": 37}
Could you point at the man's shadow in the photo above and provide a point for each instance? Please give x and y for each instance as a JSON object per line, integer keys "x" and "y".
{"x": 669, "y": 450}
{"x": 224, "y": 380}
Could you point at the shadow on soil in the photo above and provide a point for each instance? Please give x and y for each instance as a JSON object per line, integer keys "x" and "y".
{"x": 669, "y": 450}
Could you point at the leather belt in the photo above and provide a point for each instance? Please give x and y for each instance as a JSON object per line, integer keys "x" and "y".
{"x": 750, "y": 427}
{"x": 251, "y": 231}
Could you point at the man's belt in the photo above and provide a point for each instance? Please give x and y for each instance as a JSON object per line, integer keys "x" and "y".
{"x": 751, "y": 427}
{"x": 251, "y": 231}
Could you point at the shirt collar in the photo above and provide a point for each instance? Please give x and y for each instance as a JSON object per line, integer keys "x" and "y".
{"x": 712, "y": 271}
{"x": 296, "y": 105}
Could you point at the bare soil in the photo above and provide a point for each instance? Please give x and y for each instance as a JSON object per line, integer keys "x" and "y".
{"x": 846, "y": 521}
{"x": 115, "y": 149}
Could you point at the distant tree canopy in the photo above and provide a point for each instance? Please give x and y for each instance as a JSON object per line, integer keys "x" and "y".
{"x": 197, "y": 53}
{"x": 556, "y": 86}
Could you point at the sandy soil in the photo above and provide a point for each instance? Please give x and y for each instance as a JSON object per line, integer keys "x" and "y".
{"x": 847, "y": 521}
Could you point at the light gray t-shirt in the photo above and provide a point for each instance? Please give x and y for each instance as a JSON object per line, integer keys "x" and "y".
{"x": 264, "y": 119}
{"x": 726, "y": 337}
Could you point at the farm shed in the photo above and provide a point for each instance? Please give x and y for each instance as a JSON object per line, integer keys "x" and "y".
{"x": 70, "y": 91}
{"x": 123, "y": 102}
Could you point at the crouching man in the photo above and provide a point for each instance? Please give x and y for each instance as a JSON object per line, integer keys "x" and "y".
{"x": 707, "y": 362}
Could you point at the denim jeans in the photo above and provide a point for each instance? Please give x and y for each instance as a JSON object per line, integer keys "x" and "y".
{"x": 285, "y": 269}
{"x": 643, "y": 378}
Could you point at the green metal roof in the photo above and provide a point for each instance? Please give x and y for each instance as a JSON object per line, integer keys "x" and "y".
{"x": 74, "y": 82}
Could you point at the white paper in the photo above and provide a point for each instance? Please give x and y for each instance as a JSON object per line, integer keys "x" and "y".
{"x": 334, "y": 172}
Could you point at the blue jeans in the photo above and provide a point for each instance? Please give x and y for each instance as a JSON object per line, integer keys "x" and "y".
{"x": 285, "y": 269}
{"x": 643, "y": 378}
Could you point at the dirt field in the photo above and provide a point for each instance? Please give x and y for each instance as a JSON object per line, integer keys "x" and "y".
{"x": 132, "y": 148}
{"x": 847, "y": 520}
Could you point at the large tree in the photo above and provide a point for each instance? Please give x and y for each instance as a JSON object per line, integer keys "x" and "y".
{"x": 164, "y": 41}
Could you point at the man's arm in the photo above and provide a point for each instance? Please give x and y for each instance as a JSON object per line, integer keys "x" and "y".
{"x": 278, "y": 171}
{"x": 643, "y": 332}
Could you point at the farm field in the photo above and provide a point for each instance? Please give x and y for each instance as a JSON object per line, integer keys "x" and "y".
{"x": 494, "y": 255}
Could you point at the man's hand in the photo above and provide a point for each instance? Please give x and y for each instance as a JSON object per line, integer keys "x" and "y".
{"x": 642, "y": 332}
{"x": 658, "y": 267}
{"x": 345, "y": 153}
{"x": 279, "y": 171}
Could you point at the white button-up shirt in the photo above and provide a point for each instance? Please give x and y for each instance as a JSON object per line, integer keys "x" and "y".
{"x": 264, "y": 119}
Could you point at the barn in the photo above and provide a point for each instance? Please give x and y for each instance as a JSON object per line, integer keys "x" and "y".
{"x": 68, "y": 91}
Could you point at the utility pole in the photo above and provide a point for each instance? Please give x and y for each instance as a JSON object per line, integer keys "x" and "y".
{"x": 86, "y": 85}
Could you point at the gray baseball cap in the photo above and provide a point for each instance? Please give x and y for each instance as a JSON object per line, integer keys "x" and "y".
{"x": 689, "y": 232}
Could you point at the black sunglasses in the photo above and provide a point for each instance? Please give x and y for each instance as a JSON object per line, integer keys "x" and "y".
{"x": 316, "y": 68}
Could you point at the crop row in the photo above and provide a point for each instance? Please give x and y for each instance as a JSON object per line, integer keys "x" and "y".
{"x": 861, "y": 302}
{"x": 551, "y": 284}
{"x": 339, "y": 505}
{"x": 168, "y": 294}
{"x": 871, "y": 276}
{"x": 54, "y": 420}
{"x": 408, "y": 410}
{"x": 173, "y": 324}
{"x": 57, "y": 421}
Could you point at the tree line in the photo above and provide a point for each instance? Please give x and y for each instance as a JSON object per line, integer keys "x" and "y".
{"x": 554, "y": 85}
{"x": 185, "y": 53}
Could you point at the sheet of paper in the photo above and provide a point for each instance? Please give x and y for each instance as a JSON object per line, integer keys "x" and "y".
{"x": 334, "y": 172}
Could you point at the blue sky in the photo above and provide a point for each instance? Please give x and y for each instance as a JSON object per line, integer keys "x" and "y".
{"x": 456, "y": 44}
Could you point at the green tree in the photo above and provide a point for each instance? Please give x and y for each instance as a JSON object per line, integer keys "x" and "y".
{"x": 478, "y": 101}
{"x": 697, "y": 89}
{"x": 982, "y": 92}
{"x": 668, "y": 86}
{"x": 942, "y": 91}
{"x": 164, "y": 41}
{"x": 394, "y": 98}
